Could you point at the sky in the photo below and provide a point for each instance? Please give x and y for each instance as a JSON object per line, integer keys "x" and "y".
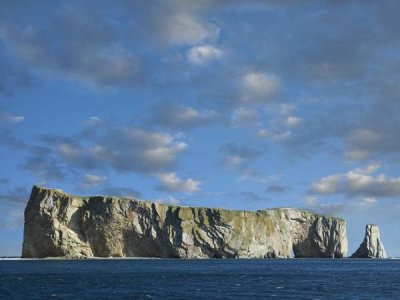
{"x": 218, "y": 103}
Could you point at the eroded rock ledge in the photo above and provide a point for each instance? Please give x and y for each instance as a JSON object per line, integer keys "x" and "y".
{"x": 62, "y": 225}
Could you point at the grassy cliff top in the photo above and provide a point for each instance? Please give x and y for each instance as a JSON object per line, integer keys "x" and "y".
{"x": 39, "y": 189}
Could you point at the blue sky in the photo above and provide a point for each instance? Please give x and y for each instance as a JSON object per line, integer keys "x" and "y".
{"x": 233, "y": 104}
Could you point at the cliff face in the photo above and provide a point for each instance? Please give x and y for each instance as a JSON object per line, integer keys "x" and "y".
{"x": 372, "y": 246}
{"x": 62, "y": 225}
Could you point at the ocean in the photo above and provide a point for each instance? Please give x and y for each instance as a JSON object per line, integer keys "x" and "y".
{"x": 200, "y": 279}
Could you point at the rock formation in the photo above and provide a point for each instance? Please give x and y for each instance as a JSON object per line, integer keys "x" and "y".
{"x": 62, "y": 225}
{"x": 372, "y": 246}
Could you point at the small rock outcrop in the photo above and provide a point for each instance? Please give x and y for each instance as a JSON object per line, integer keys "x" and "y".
{"x": 372, "y": 246}
{"x": 62, "y": 225}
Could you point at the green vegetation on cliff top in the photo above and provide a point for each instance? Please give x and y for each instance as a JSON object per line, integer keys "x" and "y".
{"x": 221, "y": 210}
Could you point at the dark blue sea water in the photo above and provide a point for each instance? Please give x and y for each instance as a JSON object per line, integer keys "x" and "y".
{"x": 200, "y": 279}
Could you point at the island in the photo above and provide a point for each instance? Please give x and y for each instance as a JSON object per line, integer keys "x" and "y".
{"x": 58, "y": 224}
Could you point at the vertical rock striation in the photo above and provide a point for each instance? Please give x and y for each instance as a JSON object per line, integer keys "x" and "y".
{"x": 372, "y": 246}
{"x": 62, "y": 225}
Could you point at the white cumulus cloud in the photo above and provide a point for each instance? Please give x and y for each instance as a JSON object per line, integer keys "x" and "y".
{"x": 292, "y": 121}
{"x": 91, "y": 181}
{"x": 259, "y": 86}
{"x": 184, "y": 27}
{"x": 170, "y": 181}
{"x": 203, "y": 54}
{"x": 327, "y": 185}
{"x": 126, "y": 149}
{"x": 359, "y": 183}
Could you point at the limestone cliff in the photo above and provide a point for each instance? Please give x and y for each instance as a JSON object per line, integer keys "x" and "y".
{"x": 62, "y": 225}
{"x": 372, "y": 246}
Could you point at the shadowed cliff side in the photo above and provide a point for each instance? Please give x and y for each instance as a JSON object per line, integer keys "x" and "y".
{"x": 62, "y": 225}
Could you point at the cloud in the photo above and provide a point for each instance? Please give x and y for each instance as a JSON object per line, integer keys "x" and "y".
{"x": 243, "y": 199}
{"x": 6, "y": 117}
{"x": 276, "y": 136}
{"x": 369, "y": 169}
{"x": 94, "y": 121}
{"x": 90, "y": 181}
{"x": 333, "y": 209}
{"x": 244, "y": 116}
{"x": 363, "y": 141}
{"x": 318, "y": 131}
{"x": 185, "y": 28}
{"x": 8, "y": 129}
{"x": 123, "y": 149}
{"x": 121, "y": 192}
{"x": 377, "y": 137}
{"x": 203, "y": 54}
{"x": 292, "y": 121}
{"x": 41, "y": 162}
{"x": 102, "y": 46}
{"x": 181, "y": 117}
{"x": 167, "y": 200}
{"x": 358, "y": 155}
{"x": 12, "y": 204}
{"x": 15, "y": 74}
{"x": 379, "y": 186}
{"x": 259, "y": 86}
{"x": 172, "y": 183}
{"x": 19, "y": 195}
{"x": 315, "y": 204}
{"x": 238, "y": 157}
{"x": 181, "y": 22}
{"x": 249, "y": 197}
{"x": 10, "y": 140}
{"x": 274, "y": 188}
{"x": 345, "y": 70}
{"x": 327, "y": 185}
{"x": 54, "y": 45}
{"x": 368, "y": 201}
{"x": 99, "y": 148}
{"x": 358, "y": 183}
{"x": 285, "y": 109}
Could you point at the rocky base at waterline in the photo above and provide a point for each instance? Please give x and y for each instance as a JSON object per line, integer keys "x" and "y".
{"x": 372, "y": 246}
{"x": 62, "y": 225}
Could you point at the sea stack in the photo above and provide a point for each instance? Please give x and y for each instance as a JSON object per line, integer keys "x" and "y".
{"x": 372, "y": 246}
{"x": 62, "y": 225}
